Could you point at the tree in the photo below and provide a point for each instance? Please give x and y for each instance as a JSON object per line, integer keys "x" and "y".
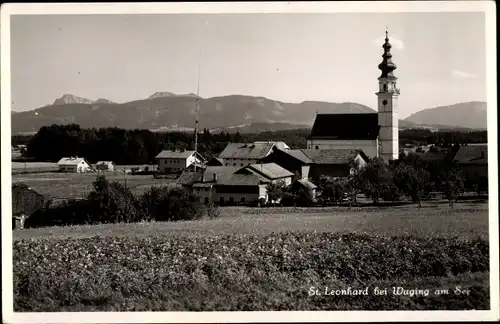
{"x": 376, "y": 179}
{"x": 452, "y": 186}
{"x": 354, "y": 185}
{"x": 113, "y": 202}
{"x": 275, "y": 191}
{"x": 334, "y": 190}
{"x": 411, "y": 181}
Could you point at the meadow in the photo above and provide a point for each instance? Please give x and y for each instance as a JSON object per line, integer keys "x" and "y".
{"x": 78, "y": 185}
{"x": 266, "y": 260}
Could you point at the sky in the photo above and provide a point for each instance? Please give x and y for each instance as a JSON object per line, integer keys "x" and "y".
{"x": 333, "y": 57}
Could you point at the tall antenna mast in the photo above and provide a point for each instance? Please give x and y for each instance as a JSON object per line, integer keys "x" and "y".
{"x": 197, "y": 112}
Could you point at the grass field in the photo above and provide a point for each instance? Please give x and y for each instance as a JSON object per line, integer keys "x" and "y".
{"x": 467, "y": 220}
{"x": 74, "y": 185}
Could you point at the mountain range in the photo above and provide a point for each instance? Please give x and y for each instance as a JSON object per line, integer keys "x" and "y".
{"x": 169, "y": 111}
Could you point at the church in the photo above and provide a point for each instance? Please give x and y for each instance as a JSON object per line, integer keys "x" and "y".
{"x": 375, "y": 133}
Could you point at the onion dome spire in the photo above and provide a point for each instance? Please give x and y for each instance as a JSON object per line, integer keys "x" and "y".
{"x": 387, "y": 66}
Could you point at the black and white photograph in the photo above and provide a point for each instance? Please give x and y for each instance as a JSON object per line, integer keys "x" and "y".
{"x": 228, "y": 162}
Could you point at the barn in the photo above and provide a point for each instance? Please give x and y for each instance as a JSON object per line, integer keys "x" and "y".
{"x": 25, "y": 201}
{"x": 105, "y": 166}
{"x": 73, "y": 164}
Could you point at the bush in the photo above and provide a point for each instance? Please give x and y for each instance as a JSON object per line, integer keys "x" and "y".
{"x": 111, "y": 202}
{"x": 212, "y": 210}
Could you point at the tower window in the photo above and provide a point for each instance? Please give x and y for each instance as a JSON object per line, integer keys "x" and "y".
{"x": 385, "y": 87}
{"x": 384, "y": 102}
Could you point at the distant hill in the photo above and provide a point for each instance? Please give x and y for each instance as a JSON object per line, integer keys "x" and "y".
{"x": 471, "y": 115}
{"x": 166, "y": 111}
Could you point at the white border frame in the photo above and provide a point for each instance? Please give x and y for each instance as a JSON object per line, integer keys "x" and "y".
{"x": 488, "y": 7}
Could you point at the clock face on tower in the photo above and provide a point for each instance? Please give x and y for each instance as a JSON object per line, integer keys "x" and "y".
{"x": 384, "y": 102}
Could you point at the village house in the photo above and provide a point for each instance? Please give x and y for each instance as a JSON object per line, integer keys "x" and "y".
{"x": 105, "y": 166}
{"x": 307, "y": 164}
{"x": 270, "y": 172}
{"x": 336, "y": 163}
{"x": 232, "y": 185}
{"x": 243, "y": 154}
{"x": 25, "y": 201}
{"x": 473, "y": 161}
{"x": 176, "y": 161}
{"x": 73, "y": 164}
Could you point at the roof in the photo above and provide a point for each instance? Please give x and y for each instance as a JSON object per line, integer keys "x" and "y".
{"x": 270, "y": 170}
{"x": 278, "y": 144}
{"x": 174, "y": 154}
{"x": 104, "y": 162}
{"x": 345, "y": 126}
{"x": 306, "y": 183}
{"x": 475, "y": 154}
{"x": 215, "y": 161}
{"x": 188, "y": 177}
{"x": 332, "y": 156}
{"x": 71, "y": 161}
{"x": 236, "y": 179}
{"x": 299, "y": 155}
{"x": 429, "y": 156}
{"x": 225, "y": 176}
{"x": 246, "y": 150}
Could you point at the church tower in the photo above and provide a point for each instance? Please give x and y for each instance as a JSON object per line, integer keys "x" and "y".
{"x": 387, "y": 106}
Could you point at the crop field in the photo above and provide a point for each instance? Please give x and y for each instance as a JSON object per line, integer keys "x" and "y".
{"x": 74, "y": 185}
{"x": 247, "y": 260}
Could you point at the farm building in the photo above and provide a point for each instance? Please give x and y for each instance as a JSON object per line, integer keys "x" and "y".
{"x": 176, "y": 161}
{"x": 25, "y": 201}
{"x": 73, "y": 164}
{"x": 315, "y": 163}
{"x": 271, "y": 172}
{"x": 105, "y": 166}
{"x": 231, "y": 185}
{"x": 306, "y": 185}
{"x": 243, "y": 154}
{"x": 473, "y": 161}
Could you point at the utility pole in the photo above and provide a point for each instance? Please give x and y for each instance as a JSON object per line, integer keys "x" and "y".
{"x": 197, "y": 112}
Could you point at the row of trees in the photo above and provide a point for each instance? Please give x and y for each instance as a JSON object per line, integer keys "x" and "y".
{"x": 406, "y": 178}
{"x": 122, "y": 146}
{"x": 112, "y": 202}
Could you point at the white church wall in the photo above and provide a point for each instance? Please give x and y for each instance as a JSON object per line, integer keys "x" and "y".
{"x": 369, "y": 147}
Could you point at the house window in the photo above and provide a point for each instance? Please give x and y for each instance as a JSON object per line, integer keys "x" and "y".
{"x": 231, "y": 200}
{"x": 317, "y": 147}
{"x": 206, "y": 189}
{"x": 242, "y": 199}
{"x": 206, "y": 200}
{"x": 234, "y": 164}
{"x": 221, "y": 199}
{"x": 241, "y": 164}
